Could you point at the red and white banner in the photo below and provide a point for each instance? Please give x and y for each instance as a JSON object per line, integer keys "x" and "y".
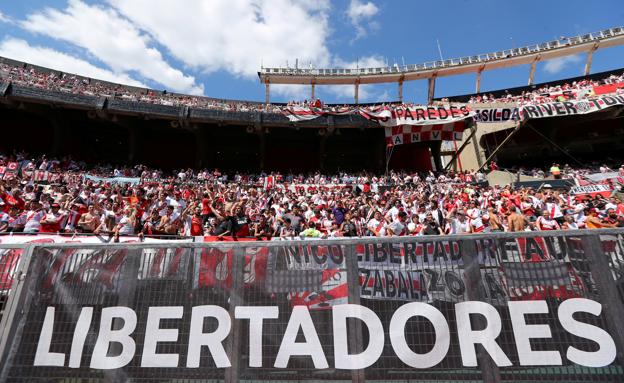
{"x": 9, "y": 171}
{"x": 407, "y": 134}
{"x": 418, "y": 115}
{"x": 50, "y": 177}
{"x": 591, "y": 191}
{"x": 299, "y": 113}
{"x": 305, "y": 113}
{"x": 608, "y": 88}
{"x": 9, "y": 257}
{"x": 215, "y": 265}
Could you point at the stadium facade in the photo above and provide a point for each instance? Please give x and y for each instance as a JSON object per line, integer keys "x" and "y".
{"x": 110, "y": 128}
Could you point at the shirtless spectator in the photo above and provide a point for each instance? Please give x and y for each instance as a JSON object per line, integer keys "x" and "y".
{"x": 516, "y": 222}
{"x": 89, "y": 221}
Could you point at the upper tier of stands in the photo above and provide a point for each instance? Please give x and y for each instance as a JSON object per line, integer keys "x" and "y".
{"x": 31, "y": 76}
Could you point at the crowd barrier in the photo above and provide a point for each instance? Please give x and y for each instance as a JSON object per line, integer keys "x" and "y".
{"x": 544, "y": 306}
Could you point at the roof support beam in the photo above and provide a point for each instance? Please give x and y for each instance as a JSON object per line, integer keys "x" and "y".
{"x": 590, "y": 56}
{"x": 478, "y": 85}
{"x": 532, "y": 72}
{"x": 431, "y": 90}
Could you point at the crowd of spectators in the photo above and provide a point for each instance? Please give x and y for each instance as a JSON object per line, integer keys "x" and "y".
{"x": 577, "y": 90}
{"x": 64, "y": 82}
{"x": 69, "y": 83}
{"x": 284, "y": 206}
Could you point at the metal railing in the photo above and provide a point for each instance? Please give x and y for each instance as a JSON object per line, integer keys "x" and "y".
{"x": 467, "y": 60}
{"x": 548, "y": 292}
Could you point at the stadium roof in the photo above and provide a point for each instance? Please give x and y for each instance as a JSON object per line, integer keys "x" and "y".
{"x": 531, "y": 54}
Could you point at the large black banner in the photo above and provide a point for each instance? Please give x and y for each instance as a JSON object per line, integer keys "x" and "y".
{"x": 396, "y": 309}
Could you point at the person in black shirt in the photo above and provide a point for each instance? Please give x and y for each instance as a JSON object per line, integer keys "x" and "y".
{"x": 431, "y": 226}
{"x": 348, "y": 227}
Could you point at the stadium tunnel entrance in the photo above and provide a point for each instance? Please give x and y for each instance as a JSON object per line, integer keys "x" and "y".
{"x": 127, "y": 140}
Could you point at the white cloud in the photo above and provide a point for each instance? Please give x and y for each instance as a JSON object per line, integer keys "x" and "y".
{"x": 4, "y": 19}
{"x": 362, "y": 62}
{"x": 346, "y": 93}
{"x": 235, "y": 35}
{"x": 111, "y": 39}
{"x": 20, "y": 50}
{"x": 294, "y": 92}
{"x": 360, "y": 13}
{"x": 556, "y": 65}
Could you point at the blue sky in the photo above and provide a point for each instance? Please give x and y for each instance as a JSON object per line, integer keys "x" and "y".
{"x": 216, "y": 47}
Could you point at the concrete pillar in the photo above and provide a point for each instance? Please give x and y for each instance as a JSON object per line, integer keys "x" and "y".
{"x": 478, "y": 86}
{"x": 431, "y": 91}
{"x": 401, "y": 91}
{"x": 313, "y": 91}
{"x": 267, "y": 92}
{"x": 588, "y": 63}
{"x": 475, "y": 144}
{"x": 356, "y": 97}
{"x": 532, "y": 72}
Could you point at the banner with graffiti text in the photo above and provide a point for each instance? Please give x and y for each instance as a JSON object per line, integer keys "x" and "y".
{"x": 388, "y": 116}
{"x": 547, "y": 109}
{"x": 540, "y": 306}
{"x": 434, "y": 270}
{"x": 570, "y": 108}
{"x": 10, "y": 257}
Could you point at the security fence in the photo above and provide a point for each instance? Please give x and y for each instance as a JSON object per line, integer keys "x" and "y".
{"x": 511, "y": 307}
